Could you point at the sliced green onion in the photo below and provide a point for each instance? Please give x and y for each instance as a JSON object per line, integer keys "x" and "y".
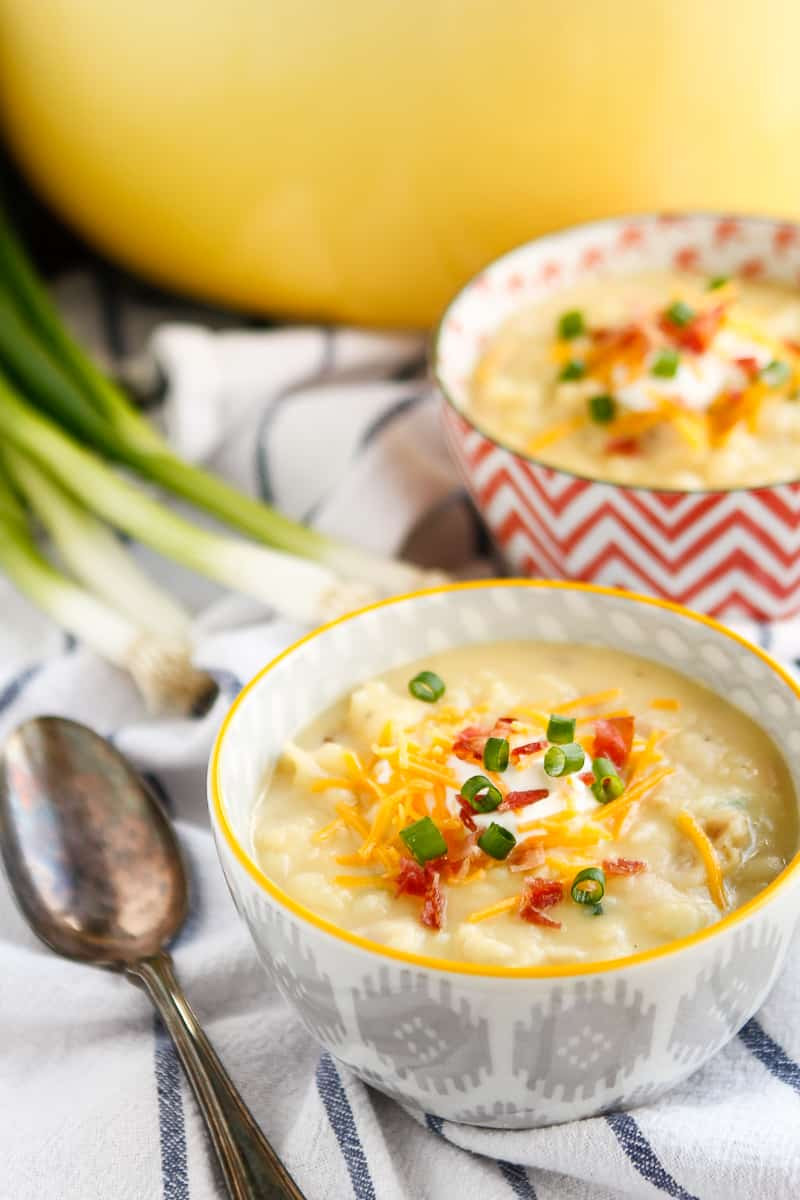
{"x": 589, "y": 886}
{"x": 481, "y": 794}
{"x": 427, "y": 686}
{"x": 679, "y": 313}
{"x": 717, "y": 281}
{"x": 602, "y": 408}
{"x": 666, "y": 363}
{"x": 495, "y": 754}
{"x": 572, "y": 370}
{"x": 775, "y": 373}
{"x": 160, "y": 667}
{"x": 560, "y": 730}
{"x": 571, "y": 325}
{"x": 596, "y": 910}
{"x": 563, "y": 760}
{"x": 424, "y": 840}
{"x": 497, "y": 841}
{"x": 607, "y": 783}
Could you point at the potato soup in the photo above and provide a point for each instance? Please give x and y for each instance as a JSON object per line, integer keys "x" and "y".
{"x": 524, "y": 804}
{"x": 658, "y": 379}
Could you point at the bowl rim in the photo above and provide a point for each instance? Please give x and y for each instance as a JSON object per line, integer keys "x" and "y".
{"x": 554, "y": 237}
{"x": 456, "y": 966}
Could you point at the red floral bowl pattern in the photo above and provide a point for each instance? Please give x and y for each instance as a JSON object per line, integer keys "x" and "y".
{"x": 729, "y": 553}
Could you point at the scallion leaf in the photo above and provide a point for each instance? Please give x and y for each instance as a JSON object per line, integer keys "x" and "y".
{"x": 427, "y": 686}
{"x": 775, "y": 373}
{"x": 497, "y": 841}
{"x": 602, "y": 408}
{"x": 679, "y": 313}
{"x": 481, "y": 794}
{"x": 424, "y": 840}
{"x": 495, "y": 754}
{"x": 563, "y": 760}
{"x": 571, "y": 325}
{"x": 665, "y": 364}
{"x": 607, "y": 783}
{"x": 717, "y": 281}
{"x": 589, "y": 886}
{"x": 560, "y": 730}
{"x": 571, "y": 371}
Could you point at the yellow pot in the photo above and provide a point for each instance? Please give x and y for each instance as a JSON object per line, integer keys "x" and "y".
{"x": 359, "y": 159}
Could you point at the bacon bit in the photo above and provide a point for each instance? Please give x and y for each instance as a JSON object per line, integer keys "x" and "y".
{"x": 613, "y": 739}
{"x": 749, "y": 364}
{"x": 522, "y": 798}
{"x": 412, "y": 879}
{"x": 470, "y": 743}
{"x": 699, "y": 333}
{"x": 528, "y": 748}
{"x": 587, "y": 777}
{"x": 539, "y": 894}
{"x": 624, "y": 866}
{"x": 627, "y": 446}
{"x": 792, "y": 345}
{"x": 432, "y": 915}
{"x": 526, "y": 855}
{"x": 465, "y": 812}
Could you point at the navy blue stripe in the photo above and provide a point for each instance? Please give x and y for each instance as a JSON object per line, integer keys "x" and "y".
{"x": 172, "y": 1131}
{"x": 343, "y": 1124}
{"x": 14, "y": 689}
{"x": 517, "y": 1177}
{"x": 770, "y": 1054}
{"x": 643, "y": 1157}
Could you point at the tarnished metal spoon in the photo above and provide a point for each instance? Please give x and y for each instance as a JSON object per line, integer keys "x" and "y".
{"x": 96, "y": 869}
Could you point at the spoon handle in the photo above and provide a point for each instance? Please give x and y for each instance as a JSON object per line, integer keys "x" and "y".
{"x": 251, "y": 1168}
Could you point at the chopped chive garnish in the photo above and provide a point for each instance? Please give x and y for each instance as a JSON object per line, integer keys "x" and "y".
{"x": 607, "y": 783}
{"x": 775, "y": 373}
{"x": 496, "y": 841}
{"x": 665, "y": 365}
{"x": 495, "y": 754}
{"x": 427, "y": 686}
{"x": 424, "y": 840}
{"x": 571, "y": 325}
{"x": 679, "y": 313}
{"x": 560, "y": 730}
{"x": 563, "y": 760}
{"x": 602, "y": 408}
{"x": 481, "y": 794}
{"x": 589, "y": 886}
{"x": 572, "y": 370}
{"x": 717, "y": 282}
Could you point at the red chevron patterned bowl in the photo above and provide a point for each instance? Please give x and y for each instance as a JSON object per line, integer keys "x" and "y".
{"x": 729, "y": 553}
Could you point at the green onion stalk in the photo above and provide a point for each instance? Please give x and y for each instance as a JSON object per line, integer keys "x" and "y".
{"x": 307, "y": 591}
{"x": 54, "y": 373}
{"x": 159, "y": 666}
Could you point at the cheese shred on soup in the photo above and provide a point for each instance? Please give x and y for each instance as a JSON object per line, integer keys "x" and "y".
{"x": 659, "y": 379}
{"x": 525, "y": 804}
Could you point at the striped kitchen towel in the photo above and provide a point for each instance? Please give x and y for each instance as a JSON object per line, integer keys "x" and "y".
{"x": 337, "y": 428}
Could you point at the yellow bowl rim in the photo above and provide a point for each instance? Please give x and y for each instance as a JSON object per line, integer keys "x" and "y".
{"x": 457, "y": 967}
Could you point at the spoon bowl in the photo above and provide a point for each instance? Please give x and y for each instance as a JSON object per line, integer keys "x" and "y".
{"x": 97, "y": 872}
{"x": 91, "y": 857}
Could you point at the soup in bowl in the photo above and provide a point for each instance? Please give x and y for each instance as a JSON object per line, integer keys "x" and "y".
{"x": 624, "y": 401}
{"x": 516, "y": 852}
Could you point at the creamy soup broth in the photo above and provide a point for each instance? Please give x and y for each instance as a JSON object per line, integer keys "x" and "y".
{"x": 701, "y": 814}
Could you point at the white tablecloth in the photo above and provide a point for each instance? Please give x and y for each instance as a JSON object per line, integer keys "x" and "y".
{"x": 337, "y": 428}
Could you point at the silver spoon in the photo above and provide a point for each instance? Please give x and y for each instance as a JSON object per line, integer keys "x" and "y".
{"x": 96, "y": 869}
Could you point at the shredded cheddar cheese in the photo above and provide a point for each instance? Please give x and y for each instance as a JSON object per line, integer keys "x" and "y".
{"x": 666, "y": 704}
{"x": 494, "y": 910}
{"x": 702, "y": 843}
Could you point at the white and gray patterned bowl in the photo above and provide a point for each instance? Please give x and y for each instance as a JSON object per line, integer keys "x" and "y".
{"x": 500, "y": 1046}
